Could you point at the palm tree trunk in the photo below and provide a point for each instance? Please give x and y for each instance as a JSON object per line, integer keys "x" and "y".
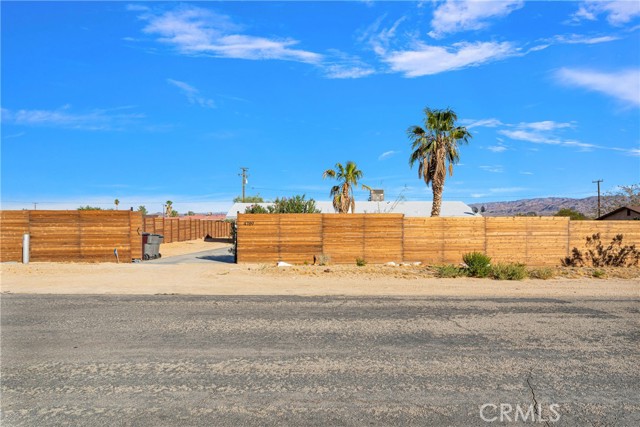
{"x": 437, "y": 184}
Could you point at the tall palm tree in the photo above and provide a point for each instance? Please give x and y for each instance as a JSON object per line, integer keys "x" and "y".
{"x": 116, "y": 202}
{"x": 342, "y": 194}
{"x": 433, "y": 146}
{"x": 169, "y": 207}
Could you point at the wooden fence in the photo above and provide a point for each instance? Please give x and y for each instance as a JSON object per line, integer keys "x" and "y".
{"x": 179, "y": 230}
{"x": 76, "y": 235}
{"x": 380, "y": 238}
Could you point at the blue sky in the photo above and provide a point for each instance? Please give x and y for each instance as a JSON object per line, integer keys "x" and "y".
{"x": 148, "y": 102}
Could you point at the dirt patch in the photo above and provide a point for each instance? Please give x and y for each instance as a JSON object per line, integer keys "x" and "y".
{"x": 261, "y": 279}
{"x": 187, "y": 247}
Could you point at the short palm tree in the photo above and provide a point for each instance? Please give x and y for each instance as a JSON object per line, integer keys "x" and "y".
{"x": 169, "y": 207}
{"x": 433, "y": 146}
{"x": 342, "y": 195}
{"x": 116, "y": 202}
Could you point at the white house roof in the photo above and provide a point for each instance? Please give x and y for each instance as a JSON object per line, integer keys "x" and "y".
{"x": 449, "y": 209}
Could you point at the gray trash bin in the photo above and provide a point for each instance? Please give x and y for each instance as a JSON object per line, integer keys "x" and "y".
{"x": 151, "y": 244}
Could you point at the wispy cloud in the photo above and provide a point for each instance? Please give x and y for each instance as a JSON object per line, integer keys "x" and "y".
{"x": 387, "y": 154}
{"x": 98, "y": 119}
{"x": 427, "y": 60}
{"x": 582, "y": 39}
{"x": 541, "y": 138}
{"x": 340, "y": 65}
{"x": 617, "y": 13}
{"x": 546, "y": 125}
{"x": 497, "y": 148}
{"x": 622, "y": 85}
{"x": 191, "y": 30}
{"x": 13, "y": 135}
{"x": 454, "y": 16}
{"x": 195, "y": 31}
{"x": 502, "y": 190}
{"x": 489, "y": 123}
{"x": 192, "y": 94}
{"x": 493, "y": 169}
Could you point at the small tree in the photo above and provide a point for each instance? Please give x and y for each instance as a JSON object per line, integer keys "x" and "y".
{"x": 573, "y": 215}
{"x": 116, "y": 202}
{"x": 256, "y": 209}
{"x": 295, "y": 204}
{"x": 89, "y": 208}
{"x": 191, "y": 213}
{"x": 143, "y": 210}
{"x": 174, "y": 213}
{"x": 626, "y": 195}
{"x": 249, "y": 199}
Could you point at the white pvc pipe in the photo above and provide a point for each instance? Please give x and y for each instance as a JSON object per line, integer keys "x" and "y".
{"x": 25, "y": 248}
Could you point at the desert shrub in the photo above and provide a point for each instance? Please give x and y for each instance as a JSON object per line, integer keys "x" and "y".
{"x": 543, "y": 273}
{"x": 599, "y": 274}
{"x": 478, "y": 264}
{"x": 449, "y": 271}
{"x": 509, "y": 271}
{"x": 360, "y": 262}
{"x": 322, "y": 259}
{"x": 597, "y": 255}
{"x": 256, "y": 209}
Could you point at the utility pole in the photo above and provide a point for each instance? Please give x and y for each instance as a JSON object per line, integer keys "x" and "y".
{"x": 35, "y": 206}
{"x": 598, "y": 182}
{"x": 244, "y": 176}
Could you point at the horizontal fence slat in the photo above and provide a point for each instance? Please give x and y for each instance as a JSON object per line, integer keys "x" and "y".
{"x": 379, "y": 238}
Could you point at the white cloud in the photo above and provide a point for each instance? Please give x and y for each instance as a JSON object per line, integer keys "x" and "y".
{"x": 14, "y": 135}
{"x": 99, "y": 119}
{"x": 497, "y": 148}
{"x": 454, "y": 16}
{"x": 546, "y": 125}
{"x": 493, "y": 169}
{"x": 387, "y": 154}
{"x": 380, "y": 39}
{"x": 541, "y": 138}
{"x": 500, "y": 190}
{"x": 192, "y": 30}
{"x": 427, "y": 60}
{"x": 582, "y": 39}
{"x": 489, "y": 123}
{"x": 343, "y": 66}
{"x": 623, "y": 85}
{"x": 192, "y": 94}
{"x": 618, "y": 13}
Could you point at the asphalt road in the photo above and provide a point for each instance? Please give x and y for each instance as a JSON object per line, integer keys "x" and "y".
{"x": 172, "y": 360}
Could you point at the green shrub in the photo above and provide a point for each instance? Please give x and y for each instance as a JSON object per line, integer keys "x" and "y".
{"x": 599, "y": 274}
{"x": 478, "y": 264}
{"x": 449, "y": 271}
{"x": 508, "y": 272}
{"x": 360, "y": 262}
{"x": 543, "y": 273}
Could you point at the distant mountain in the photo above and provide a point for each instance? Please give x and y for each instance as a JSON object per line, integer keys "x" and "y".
{"x": 546, "y": 206}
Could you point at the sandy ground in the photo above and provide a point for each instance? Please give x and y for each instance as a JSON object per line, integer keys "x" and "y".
{"x": 260, "y": 279}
